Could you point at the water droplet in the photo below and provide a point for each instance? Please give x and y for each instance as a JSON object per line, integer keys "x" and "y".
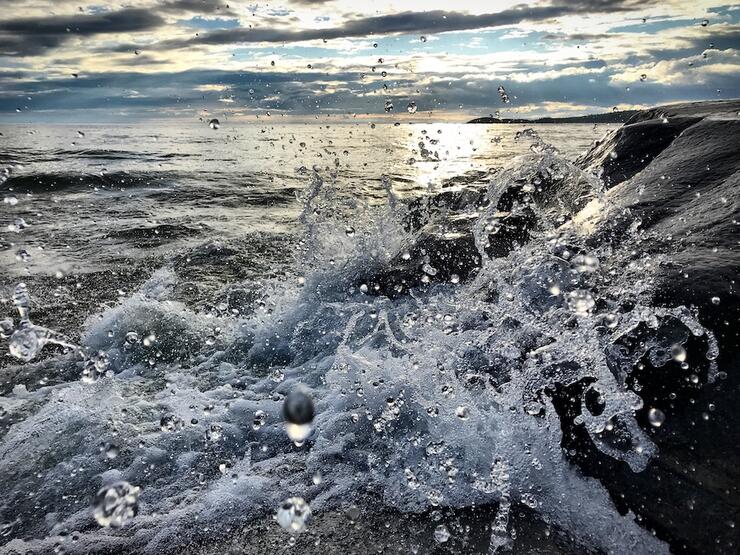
{"x": 95, "y": 367}
{"x": 171, "y": 423}
{"x": 132, "y": 338}
{"x": 214, "y": 433}
{"x": 678, "y": 353}
{"x": 656, "y": 417}
{"x": 581, "y": 301}
{"x": 260, "y": 417}
{"x": 462, "y": 412}
{"x": 585, "y": 264}
{"x": 422, "y": 38}
{"x": 293, "y": 514}
{"x": 411, "y": 108}
{"x": 116, "y": 504}
{"x": 25, "y": 343}
{"x": 643, "y": 77}
{"x": 214, "y": 124}
{"x": 111, "y": 451}
{"x": 704, "y": 22}
{"x": 441, "y": 534}
{"x": 298, "y": 412}
{"x": 18, "y": 225}
{"x": 6, "y": 328}
{"x": 353, "y": 513}
{"x": 388, "y": 106}
{"x": 715, "y": 300}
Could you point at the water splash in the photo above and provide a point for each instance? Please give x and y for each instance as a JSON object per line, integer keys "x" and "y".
{"x": 27, "y": 340}
{"x": 441, "y": 395}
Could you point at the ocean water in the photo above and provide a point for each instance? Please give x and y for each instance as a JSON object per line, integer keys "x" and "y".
{"x": 454, "y": 299}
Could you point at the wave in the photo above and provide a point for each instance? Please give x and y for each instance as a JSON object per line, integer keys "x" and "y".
{"x": 493, "y": 347}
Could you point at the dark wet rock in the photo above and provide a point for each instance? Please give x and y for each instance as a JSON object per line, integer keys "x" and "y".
{"x": 625, "y": 151}
{"x": 684, "y": 201}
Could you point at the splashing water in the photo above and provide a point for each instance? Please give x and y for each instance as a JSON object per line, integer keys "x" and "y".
{"x": 439, "y": 394}
{"x": 28, "y": 339}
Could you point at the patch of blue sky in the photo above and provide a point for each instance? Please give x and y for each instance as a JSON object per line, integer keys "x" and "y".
{"x": 209, "y": 23}
{"x": 731, "y": 11}
{"x": 654, "y": 26}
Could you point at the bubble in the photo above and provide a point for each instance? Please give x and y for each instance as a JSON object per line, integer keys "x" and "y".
{"x": 214, "y": 124}
{"x": 132, "y": 338}
{"x": 349, "y": 231}
{"x": 116, "y": 504}
{"x": 715, "y": 300}
{"x": 293, "y": 514}
{"x": 411, "y": 108}
{"x": 656, "y": 417}
{"x": 11, "y": 200}
{"x": 441, "y": 534}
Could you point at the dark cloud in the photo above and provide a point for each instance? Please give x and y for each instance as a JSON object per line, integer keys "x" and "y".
{"x": 578, "y": 37}
{"x": 436, "y": 21}
{"x": 197, "y": 6}
{"x": 34, "y": 35}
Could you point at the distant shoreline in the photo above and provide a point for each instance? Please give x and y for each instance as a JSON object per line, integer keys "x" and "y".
{"x": 611, "y": 117}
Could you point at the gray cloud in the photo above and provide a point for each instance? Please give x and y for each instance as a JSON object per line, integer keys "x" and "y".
{"x": 406, "y": 22}
{"x": 33, "y": 35}
{"x": 197, "y": 6}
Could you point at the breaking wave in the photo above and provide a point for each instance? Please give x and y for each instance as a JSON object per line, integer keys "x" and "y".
{"x": 439, "y": 378}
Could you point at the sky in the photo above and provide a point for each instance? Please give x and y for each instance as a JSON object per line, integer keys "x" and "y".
{"x": 69, "y": 60}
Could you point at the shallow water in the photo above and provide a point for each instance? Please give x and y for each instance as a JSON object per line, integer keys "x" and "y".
{"x": 217, "y": 270}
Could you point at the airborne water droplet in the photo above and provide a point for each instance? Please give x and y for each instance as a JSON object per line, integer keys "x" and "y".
{"x": 293, "y": 514}
{"x": 656, "y": 417}
{"x": 116, "y": 504}
{"x": 441, "y": 534}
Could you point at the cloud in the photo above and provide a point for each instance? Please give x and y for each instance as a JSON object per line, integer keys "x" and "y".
{"x": 197, "y": 6}
{"x": 31, "y": 36}
{"x": 436, "y": 21}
